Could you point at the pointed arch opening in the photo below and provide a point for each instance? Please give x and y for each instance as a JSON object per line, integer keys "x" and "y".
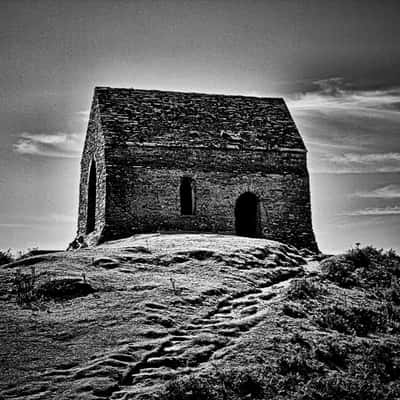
{"x": 187, "y": 196}
{"x": 247, "y": 215}
{"x": 91, "y": 203}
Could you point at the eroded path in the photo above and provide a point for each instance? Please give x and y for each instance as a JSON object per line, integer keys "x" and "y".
{"x": 202, "y": 340}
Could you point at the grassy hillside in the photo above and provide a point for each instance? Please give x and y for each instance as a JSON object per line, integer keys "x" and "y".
{"x": 200, "y": 317}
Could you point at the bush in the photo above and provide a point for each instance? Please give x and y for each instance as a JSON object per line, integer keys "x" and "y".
{"x": 303, "y": 289}
{"x": 333, "y": 353}
{"x": 248, "y": 385}
{"x": 6, "y": 257}
{"x": 371, "y": 374}
{"x": 299, "y": 364}
{"x": 192, "y": 388}
{"x": 338, "y": 270}
{"x": 32, "y": 288}
{"x": 358, "y": 321}
{"x": 366, "y": 268}
{"x": 63, "y": 289}
{"x": 361, "y": 258}
{"x": 24, "y": 285}
{"x": 392, "y": 294}
{"x": 336, "y": 386}
{"x": 378, "y": 360}
{"x": 241, "y": 383}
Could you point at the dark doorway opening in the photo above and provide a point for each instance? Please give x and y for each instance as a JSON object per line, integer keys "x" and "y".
{"x": 186, "y": 192}
{"x": 247, "y": 215}
{"x": 91, "y": 204}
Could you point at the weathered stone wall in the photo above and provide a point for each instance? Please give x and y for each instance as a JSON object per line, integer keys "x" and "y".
{"x": 143, "y": 191}
{"x": 93, "y": 150}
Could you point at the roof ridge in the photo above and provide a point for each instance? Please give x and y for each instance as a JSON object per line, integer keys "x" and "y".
{"x": 139, "y": 90}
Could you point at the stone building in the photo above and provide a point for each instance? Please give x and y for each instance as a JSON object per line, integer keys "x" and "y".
{"x": 169, "y": 161}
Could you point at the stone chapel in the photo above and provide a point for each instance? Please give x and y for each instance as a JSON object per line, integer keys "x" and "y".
{"x": 158, "y": 161}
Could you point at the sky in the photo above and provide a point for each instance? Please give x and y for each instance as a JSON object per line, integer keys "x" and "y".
{"x": 336, "y": 63}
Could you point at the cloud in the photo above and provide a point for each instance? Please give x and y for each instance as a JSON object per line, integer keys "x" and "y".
{"x": 61, "y": 145}
{"x": 364, "y": 163}
{"x": 347, "y": 129}
{"x": 335, "y": 94}
{"x": 83, "y": 114}
{"x": 377, "y": 211}
{"x": 385, "y": 192}
{"x": 18, "y": 226}
{"x": 29, "y": 221}
{"x": 53, "y": 218}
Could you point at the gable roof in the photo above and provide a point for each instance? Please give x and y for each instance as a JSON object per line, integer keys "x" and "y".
{"x": 171, "y": 118}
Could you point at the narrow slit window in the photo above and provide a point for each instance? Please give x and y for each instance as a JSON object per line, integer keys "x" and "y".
{"x": 187, "y": 196}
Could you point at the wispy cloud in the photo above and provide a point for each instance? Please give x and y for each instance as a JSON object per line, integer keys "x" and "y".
{"x": 54, "y": 218}
{"x": 335, "y": 94}
{"x": 385, "y": 192}
{"x": 349, "y": 130}
{"x": 16, "y": 225}
{"x": 62, "y": 145}
{"x": 377, "y": 211}
{"x": 29, "y": 221}
{"x": 83, "y": 114}
{"x": 364, "y": 163}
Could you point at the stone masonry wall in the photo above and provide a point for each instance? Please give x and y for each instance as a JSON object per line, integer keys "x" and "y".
{"x": 93, "y": 150}
{"x": 143, "y": 191}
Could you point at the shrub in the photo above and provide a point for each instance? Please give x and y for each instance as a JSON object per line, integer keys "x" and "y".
{"x": 24, "y": 285}
{"x": 338, "y": 270}
{"x": 241, "y": 383}
{"x": 366, "y": 268}
{"x": 63, "y": 288}
{"x": 333, "y": 353}
{"x": 392, "y": 294}
{"x": 6, "y": 257}
{"x": 248, "y": 385}
{"x": 360, "y": 258}
{"x": 371, "y": 374}
{"x": 298, "y": 364}
{"x": 336, "y": 386}
{"x": 378, "y": 360}
{"x": 392, "y": 314}
{"x": 353, "y": 320}
{"x": 303, "y": 289}
{"x": 192, "y": 388}
{"x": 23, "y": 254}
{"x": 33, "y": 288}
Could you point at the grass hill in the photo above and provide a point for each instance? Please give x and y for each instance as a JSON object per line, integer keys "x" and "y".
{"x": 184, "y": 317}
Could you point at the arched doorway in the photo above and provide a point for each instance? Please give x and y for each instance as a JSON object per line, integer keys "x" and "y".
{"x": 186, "y": 192}
{"x": 247, "y": 216}
{"x": 91, "y": 203}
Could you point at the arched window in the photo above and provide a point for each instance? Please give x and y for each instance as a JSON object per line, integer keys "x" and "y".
{"x": 247, "y": 216}
{"x": 91, "y": 202}
{"x": 186, "y": 191}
